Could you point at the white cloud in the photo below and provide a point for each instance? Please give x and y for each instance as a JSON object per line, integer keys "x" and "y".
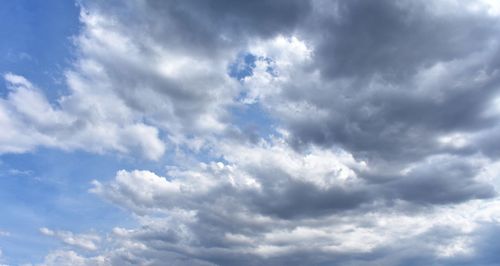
{"x": 209, "y": 209}
{"x": 84, "y": 241}
{"x": 323, "y": 168}
{"x": 63, "y": 257}
{"x": 123, "y": 93}
{"x": 31, "y": 121}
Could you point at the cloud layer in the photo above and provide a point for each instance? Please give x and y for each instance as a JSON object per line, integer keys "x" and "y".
{"x": 379, "y": 148}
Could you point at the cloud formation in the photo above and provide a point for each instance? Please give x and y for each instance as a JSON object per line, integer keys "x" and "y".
{"x": 381, "y": 139}
{"x": 84, "y": 241}
{"x": 31, "y": 121}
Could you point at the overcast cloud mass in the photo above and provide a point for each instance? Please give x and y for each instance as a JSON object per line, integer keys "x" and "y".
{"x": 269, "y": 132}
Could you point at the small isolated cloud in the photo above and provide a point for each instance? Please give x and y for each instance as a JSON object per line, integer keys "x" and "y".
{"x": 63, "y": 257}
{"x": 84, "y": 241}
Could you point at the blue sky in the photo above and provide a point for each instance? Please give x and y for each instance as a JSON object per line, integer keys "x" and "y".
{"x": 265, "y": 132}
{"x": 36, "y": 40}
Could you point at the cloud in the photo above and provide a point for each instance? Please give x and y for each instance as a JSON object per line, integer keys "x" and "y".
{"x": 31, "y": 121}
{"x": 380, "y": 150}
{"x": 62, "y": 257}
{"x": 266, "y": 176}
{"x": 218, "y": 236}
{"x": 270, "y": 204}
{"x": 442, "y": 179}
{"x": 383, "y": 80}
{"x": 395, "y": 40}
{"x": 84, "y": 241}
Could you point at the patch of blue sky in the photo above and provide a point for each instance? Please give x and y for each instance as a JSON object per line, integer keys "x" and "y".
{"x": 270, "y": 69}
{"x": 243, "y": 66}
{"x": 186, "y": 156}
{"x": 254, "y": 121}
{"x": 251, "y": 118}
{"x": 36, "y": 41}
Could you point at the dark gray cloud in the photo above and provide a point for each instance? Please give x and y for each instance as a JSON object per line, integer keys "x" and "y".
{"x": 291, "y": 199}
{"x": 374, "y": 59}
{"x": 208, "y": 27}
{"x": 393, "y": 39}
{"x": 446, "y": 180}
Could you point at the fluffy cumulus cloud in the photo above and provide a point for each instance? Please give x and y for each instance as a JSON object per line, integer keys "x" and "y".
{"x": 380, "y": 143}
{"x": 269, "y": 204}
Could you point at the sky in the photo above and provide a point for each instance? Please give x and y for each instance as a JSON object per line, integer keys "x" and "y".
{"x": 269, "y": 132}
